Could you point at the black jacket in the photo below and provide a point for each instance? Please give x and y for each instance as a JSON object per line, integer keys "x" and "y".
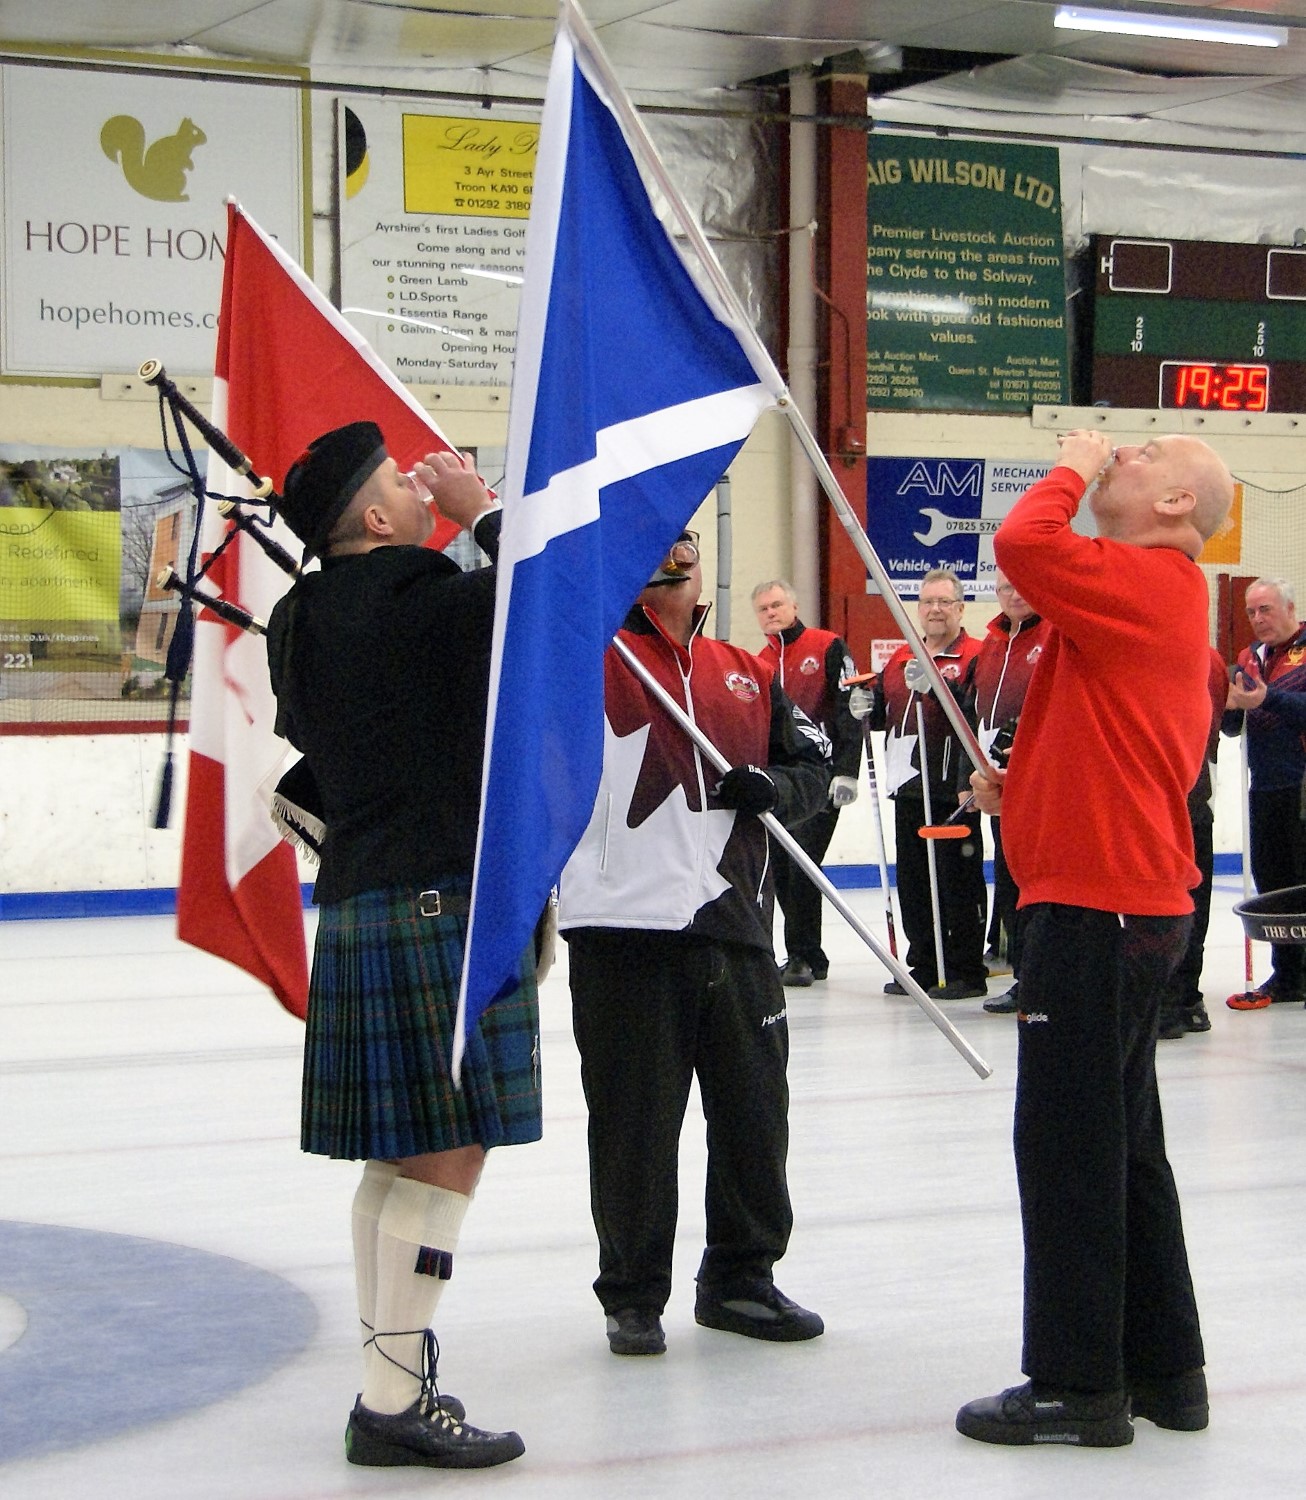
{"x": 380, "y": 664}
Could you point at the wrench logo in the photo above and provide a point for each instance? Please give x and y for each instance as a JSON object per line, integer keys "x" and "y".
{"x": 941, "y": 526}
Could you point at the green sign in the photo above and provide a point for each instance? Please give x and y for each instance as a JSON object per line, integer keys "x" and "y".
{"x": 1183, "y": 328}
{"x": 965, "y": 284}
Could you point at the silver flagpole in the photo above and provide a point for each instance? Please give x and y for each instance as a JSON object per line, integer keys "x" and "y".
{"x": 737, "y": 318}
{"x": 810, "y": 868}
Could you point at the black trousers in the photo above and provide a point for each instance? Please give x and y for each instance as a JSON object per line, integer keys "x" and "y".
{"x": 1278, "y": 861}
{"x": 1108, "y": 1295}
{"x": 650, "y": 1010}
{"x": 963, "y": 898}
{"x": 1185, "y": 987}
{"x": 797, "y": 897}
{"x": 1005, "y": 923}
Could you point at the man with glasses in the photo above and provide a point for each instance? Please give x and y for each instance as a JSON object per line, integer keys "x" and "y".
{"x": 666, "y": 906}
{"x": 892, "y": 706}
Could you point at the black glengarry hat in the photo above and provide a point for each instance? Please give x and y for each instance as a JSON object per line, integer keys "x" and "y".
{"x": 326, "y": 477}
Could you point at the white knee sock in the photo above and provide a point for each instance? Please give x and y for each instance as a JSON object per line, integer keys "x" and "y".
{"x": 417, "y": 1234}
{"x": 375, "y": 1184}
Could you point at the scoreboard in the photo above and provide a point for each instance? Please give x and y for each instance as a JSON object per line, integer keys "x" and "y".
{"x": 1199, "y": 326}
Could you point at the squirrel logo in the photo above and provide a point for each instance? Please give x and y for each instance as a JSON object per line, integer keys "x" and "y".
{"x": 159, "y": 170}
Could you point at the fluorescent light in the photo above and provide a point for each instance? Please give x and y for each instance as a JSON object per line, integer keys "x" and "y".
{"x": 1180, "y": 28}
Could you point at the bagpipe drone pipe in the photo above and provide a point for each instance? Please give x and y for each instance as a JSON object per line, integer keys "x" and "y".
{"x": 300, "y": 823}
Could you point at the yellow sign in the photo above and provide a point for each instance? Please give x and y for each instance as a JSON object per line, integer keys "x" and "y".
{"x": 59, "y": 566}
{"x": 1226, "y": 546}
{"x": 468, "y": 167}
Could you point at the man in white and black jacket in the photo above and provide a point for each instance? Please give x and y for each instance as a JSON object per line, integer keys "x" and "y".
{"x": 667, "y": 907}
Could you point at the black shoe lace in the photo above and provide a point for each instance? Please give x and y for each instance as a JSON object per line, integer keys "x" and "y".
{"x": 428, "y": 1398}
{"x": 430, "y": 1395}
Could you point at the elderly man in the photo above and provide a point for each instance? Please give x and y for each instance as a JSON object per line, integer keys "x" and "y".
{"x": 1269, "y": 687}
{"x": 1095, "y": 819}
{"x": 811, "y": 665}
{"x": 666, "y": 906}
{"x": 379, "y": 661}
{"x": 892, "y": 706}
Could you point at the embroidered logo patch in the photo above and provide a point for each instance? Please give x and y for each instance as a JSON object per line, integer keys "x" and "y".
{"x": 742, "y": 686}
{"x": 809, "y": 666}
{"x": 1034, "y": 653}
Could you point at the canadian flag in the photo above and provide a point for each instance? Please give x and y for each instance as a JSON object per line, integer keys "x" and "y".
{"x": 288, "y": 369}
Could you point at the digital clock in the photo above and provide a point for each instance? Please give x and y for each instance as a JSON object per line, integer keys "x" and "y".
{"x": 1196, "y": 385}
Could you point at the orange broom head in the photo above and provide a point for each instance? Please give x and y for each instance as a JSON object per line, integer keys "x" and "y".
{"x": 944, "y": 831}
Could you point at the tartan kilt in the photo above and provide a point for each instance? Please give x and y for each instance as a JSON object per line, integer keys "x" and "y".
{"x": 382, "y": 1003}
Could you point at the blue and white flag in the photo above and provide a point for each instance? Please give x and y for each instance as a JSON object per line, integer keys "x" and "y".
{"x": 631, "y": 396}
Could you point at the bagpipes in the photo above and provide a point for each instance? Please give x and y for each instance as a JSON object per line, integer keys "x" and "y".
{"x": 296, "y": 812}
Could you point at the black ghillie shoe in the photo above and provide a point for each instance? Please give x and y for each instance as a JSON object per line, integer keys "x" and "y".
{"x": 1018, "y": 1416}
{"x": 431, "y": 1433}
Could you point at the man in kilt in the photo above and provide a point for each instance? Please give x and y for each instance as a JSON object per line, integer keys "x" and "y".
{"x": 379, "y": 661}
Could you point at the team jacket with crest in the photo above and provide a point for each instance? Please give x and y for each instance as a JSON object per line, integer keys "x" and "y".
{"x": 1006, "y": 661}
{"x": 660, "y": 853}
{"x": 811, "y": 666}
{"x": 1276, "y": 731}
{"x": 894, "y": 711}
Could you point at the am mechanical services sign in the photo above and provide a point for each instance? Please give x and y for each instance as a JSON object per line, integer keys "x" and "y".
{"x": 924, "y": 513}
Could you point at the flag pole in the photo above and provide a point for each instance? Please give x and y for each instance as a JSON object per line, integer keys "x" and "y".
{"x": 809, "y": 867}
{"x": 737, "y": 318}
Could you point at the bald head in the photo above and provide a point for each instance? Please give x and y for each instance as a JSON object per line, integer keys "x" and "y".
{"x": 1174, "y": 491}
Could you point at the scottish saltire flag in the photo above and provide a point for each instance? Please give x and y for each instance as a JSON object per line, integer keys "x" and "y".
{"x": 630, "y": 398}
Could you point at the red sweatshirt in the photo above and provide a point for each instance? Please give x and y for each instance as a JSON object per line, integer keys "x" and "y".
{"x": 1115, "y": 723}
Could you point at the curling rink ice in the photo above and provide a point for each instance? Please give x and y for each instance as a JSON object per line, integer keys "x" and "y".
{"x": 176, "y": 1288}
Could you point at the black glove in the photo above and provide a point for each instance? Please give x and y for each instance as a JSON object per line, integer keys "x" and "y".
{"x": 748, "y": 789}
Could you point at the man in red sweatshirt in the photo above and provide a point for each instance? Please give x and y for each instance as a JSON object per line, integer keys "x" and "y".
{"x": 1096, "y": 829}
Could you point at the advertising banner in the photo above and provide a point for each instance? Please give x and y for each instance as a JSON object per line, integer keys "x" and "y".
{"x": 114, "y": 192}
{"x": 433, "y": 215}
{"x": 965, "y": 282}
{"x": 924, "y": 513}
{"x": 84, "y": 625}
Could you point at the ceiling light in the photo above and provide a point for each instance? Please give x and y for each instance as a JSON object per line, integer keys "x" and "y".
{"x": 1178, "y": 28}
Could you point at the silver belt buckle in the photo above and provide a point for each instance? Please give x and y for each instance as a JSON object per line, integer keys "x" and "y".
{"x": 428, "y": 903}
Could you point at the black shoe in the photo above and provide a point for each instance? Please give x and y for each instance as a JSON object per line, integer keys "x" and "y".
{"x": 894, "y": 988}
{"x": 1196, "y": 1019}
{"x": 1177, "y": 1402}
{"x": 797, "y": 973}
{"x": 820, "y": 972}
{"x": 425, "y": 1435}
{"x": 957, "y": 989}
{"x": 636, "y": 1330}
{"x": 1020, "y": 1416}
{"x": 1171, "y": 1027}
{"x": 1005, "y": 1004}
{"x": 762, "y": 1312}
